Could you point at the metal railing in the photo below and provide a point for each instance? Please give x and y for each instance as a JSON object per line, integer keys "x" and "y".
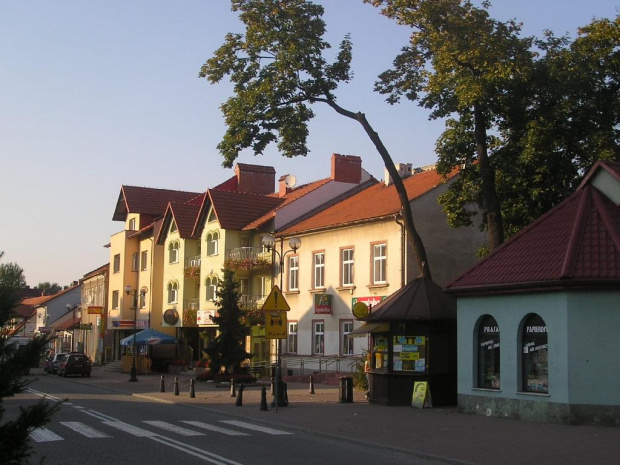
{"x": 241, "y": 253}
{"x": 193, "y": 261}
{"x": 251, "y": 302}
{"x": 321, "y": 363}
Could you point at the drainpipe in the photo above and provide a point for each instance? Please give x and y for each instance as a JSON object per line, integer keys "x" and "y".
{"x": 403, "y": 252}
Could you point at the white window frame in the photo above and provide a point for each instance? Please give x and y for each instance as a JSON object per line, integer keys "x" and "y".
{"x": 347, "y": 257}
{"x": 144, "y": 260}
{"x": 318, "y": 337}
{"x": 346, "y": 346}
{"x": 142, "y": 300}
{"x": 292, "y": 339}
{"x": 173, "y": 292}
{"x": 318, "y": 265}
{"x": 117, "y": 263}
{"x": 211, "y": 287}
{"x": 379, "y": 263}
{"x": 135, "y": 261}
{"x": 213, "y": 239}
{"x": 115, "y": 300}
{"x": 173, "y": 252}
{"x": 293, "y": 273}
{"x": 132, "y": 224}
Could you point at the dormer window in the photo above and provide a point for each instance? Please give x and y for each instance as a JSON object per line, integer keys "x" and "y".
{"x": 132, "y": 224}
{"x": 173, "y": 227}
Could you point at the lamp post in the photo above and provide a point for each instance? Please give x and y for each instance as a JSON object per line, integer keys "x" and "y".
{"x": 134, "y": 294}
{"x": 294, "y": 244}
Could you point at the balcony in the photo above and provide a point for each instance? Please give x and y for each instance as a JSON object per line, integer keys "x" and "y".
{"x": 248, "y": 259}
{"x": 192, "y": 304}
{"x": 251, "y": 302}
{"x": 192, "y": 268}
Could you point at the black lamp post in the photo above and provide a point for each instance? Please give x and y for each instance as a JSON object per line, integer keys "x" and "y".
{"x": 294, "y": 244}
{"x": 134, "y": 294}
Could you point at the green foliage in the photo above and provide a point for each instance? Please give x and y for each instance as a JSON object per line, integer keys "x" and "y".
{"x": 359, "y": 375}
{"x": 49, "y": 288}
{"x": 226, "y": 350}
{"x": 15, "y": 364}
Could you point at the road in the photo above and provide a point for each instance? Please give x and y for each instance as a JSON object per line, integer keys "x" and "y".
{"x": 97, "y": 426}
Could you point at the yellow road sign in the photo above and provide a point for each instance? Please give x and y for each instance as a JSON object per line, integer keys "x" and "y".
{"x": 275, "y": 325}
{"x": 276, "y": 302}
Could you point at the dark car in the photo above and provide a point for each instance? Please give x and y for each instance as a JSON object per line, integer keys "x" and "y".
{"x": 52, "y": 365}
{"x": 75, "y": 364}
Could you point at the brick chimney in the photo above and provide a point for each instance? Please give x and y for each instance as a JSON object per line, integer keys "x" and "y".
{"x": 255, "y": 179}
{"x": 283, "y": 189}
{"x": 346, "y": 168}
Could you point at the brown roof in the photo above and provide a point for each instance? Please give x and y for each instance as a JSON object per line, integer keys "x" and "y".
{"x": 235, "y": 210}
{"x": 376, "y": 202}
{"x": 576, "y": 242}
{"x": 147, "y": 201}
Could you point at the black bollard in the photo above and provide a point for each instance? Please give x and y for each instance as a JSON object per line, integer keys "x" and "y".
{"x": 285, "y": 394}
{"x": 239, "y": 402}
{"x": 263, "y": 399}
{"x": 273, "y": 386}
{"x": 311, "y": 385}
{"x": 176, "y": 386}
{"x": 232, "y": 387}
{"x": 192, "y": 391}
{"x": 162, "y": 388}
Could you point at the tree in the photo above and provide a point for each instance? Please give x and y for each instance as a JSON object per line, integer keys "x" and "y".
{"x": 278, "y": 71}
{"x": 226, "y": 350}
{"x": 15, "y": 363}
{"x": 49, "y": 288}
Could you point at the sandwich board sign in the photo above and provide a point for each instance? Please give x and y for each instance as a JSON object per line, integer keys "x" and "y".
{"x": 421, "y": 397}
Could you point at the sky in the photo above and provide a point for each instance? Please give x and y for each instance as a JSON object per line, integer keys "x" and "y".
{"x": 96, "y": 95}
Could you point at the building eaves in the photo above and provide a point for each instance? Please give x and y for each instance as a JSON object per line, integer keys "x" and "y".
{"x": 147, "y": 201}
{"x": 235, "y": 210}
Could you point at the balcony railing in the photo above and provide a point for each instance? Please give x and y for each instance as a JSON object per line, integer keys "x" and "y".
{"x": 193, "y": 261}
{"x": 248, "y": 259}
{"x": 192, "y": 304}
{"x": 251, "y": 302}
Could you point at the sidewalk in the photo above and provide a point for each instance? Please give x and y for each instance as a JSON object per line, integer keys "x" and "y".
{"x": 440, "y": 433}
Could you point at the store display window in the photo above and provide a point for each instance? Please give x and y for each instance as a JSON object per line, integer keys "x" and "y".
{"x": 380, "y": 354}
{"x": 535, "y": 355}
{"x": 409, "y": 353}
{"x": 488, "y": 354}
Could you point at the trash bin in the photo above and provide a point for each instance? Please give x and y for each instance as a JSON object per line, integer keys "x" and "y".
{"x": 346, "y": 389}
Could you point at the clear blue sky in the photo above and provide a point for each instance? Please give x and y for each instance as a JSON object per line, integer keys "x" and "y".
{"x": 94, "y": 95}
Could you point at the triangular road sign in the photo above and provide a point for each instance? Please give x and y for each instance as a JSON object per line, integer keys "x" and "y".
{"x": 276, "y": 302}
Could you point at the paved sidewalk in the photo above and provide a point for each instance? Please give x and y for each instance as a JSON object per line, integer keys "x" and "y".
{"x": 439, "y": 433}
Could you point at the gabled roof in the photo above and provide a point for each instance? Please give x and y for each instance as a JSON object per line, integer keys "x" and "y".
{"x": 147, "y": 201}
{"x": 235, "y": 210}
{"x": 575, "y": 243}
{"x": 376, "y": 202}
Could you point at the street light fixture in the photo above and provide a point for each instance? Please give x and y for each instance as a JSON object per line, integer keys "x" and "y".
{"x": 134, "y": 294}
{"x": 269, "y": 243}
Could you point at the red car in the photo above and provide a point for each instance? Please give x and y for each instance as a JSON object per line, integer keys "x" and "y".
{"x": 75, "y": 364}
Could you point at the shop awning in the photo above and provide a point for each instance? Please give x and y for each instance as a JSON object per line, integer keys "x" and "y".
{"x": 379, "y": 327}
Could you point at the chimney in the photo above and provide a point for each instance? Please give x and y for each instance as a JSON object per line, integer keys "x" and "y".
{"x": 404, "y": 171}
{"x": 255, "y": 179}
{"x": 286, "y": 184}
{"x": 346, "y": 168}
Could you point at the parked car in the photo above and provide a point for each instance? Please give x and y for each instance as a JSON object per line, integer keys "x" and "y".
{"x": 75, "y": 364}
{"x": 52, "y": 366}
{"x": 46, "y": 363}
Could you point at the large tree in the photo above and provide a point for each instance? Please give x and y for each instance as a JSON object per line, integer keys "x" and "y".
{"x": 279, "y": 71}
{"x": 15, "y": 363}
{"x": 49, "y": 288}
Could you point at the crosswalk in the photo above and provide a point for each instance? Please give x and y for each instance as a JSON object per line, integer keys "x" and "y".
{"x": 107, "y": 428}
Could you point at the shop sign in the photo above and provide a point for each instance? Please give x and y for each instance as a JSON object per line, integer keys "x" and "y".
{"x": 94, "y": 310}
{"x": 361, "y": 307}
{"x": 322, "y": 303}
{"x": 421, "y": 397}
{"x": 86, "y": 326}
{"x": 126, "y": 324}
{"x": 203, "y": 317}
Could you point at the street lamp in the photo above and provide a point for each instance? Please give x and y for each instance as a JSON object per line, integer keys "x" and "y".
{"x": 134, "y": 294}
{"x": 269, "y": 243}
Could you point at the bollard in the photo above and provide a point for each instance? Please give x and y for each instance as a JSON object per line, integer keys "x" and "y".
{"x": 263, "y": 399}
{"x": 311, "y": 385}
{"x": 239, "y": 402}
{"x": 273, "y": 386}
{"x": 192, "y": 391}
{"x": 162, "y": 387}
{"x": 232, "y": 387}
{"x": 285, "y": 394}
{"x": 176, "y": 386}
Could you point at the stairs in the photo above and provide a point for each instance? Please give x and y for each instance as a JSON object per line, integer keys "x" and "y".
{"x": 115, "y": 366}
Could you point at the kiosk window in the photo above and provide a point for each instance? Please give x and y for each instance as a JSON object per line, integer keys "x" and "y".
{"x": 488, "y": 353}
{"x": 535, "y": 355}
{"x": 409, "y": 353}
{"x": 380, "y": 353}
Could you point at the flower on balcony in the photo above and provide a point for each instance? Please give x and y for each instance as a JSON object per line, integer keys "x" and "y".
{"x": 192, "y": 272}
{"x": 189, "y": 317}
{"x": 254, "y": 317}
{"x": 247, "y": 263}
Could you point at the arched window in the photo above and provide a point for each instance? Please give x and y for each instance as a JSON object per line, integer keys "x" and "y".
{"x": 173, "y": 292}
{"x": 173, "y": 252}
{"x": 211, "y": 286}
{"x": 488, "y": 353}
{"x": 212, "y": 243}
{"x": 534, "y": 359}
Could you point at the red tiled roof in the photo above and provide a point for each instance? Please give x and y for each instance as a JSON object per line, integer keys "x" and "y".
{"x": 24, "y": 310}
{"x": 147, "y": 201}
{"x": 578, "y": 241}
{"x": 375, "y": 202}
{"x": 185, "y": 217}
{"x": 234, "y": 210}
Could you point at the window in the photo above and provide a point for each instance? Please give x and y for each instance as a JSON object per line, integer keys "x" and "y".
{"x": 346, "y": 259}
{"x": 292, "y": 337}
{"x": 173, "y": 227}
{"x": 115, "y": 300}
{"x": 346, "y": 326}
{"x": 293, "y": 273}
{"x": 173, "y": 293}
{"x": 488, "y": 353}
{"x": 535, "y": 355}
{"x": 173, "y": 252}
{"x": 132, "y": 224}
{"x": 379, "y": 259}
{"x": 263, "y": 287}
{"x": 144, "y": 260}
{"x": 142, "y": 300}
{"x": 134, "y": 262}
{"x": 319, "y": 269}
{"x": 212, "y": 243}
{"x": 318, "y": 337}
{"x": 117, "y": 263}
{"x": 211, "y": 286}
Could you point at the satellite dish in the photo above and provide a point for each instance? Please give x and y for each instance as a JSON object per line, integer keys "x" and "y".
{"x": 86, "y": 299}
{"x": 290, "y": 181}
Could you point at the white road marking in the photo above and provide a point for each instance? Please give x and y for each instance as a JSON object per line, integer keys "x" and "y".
{"x": 44, "y": 435}
{"x": 217, "y": 429}
{"x": 262, "y": 429}
{"x": 173, "y": 428}
{"x": 195, "y": 451}
{"x": 130, "y": 429}
{"x": 84, "y": 430}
